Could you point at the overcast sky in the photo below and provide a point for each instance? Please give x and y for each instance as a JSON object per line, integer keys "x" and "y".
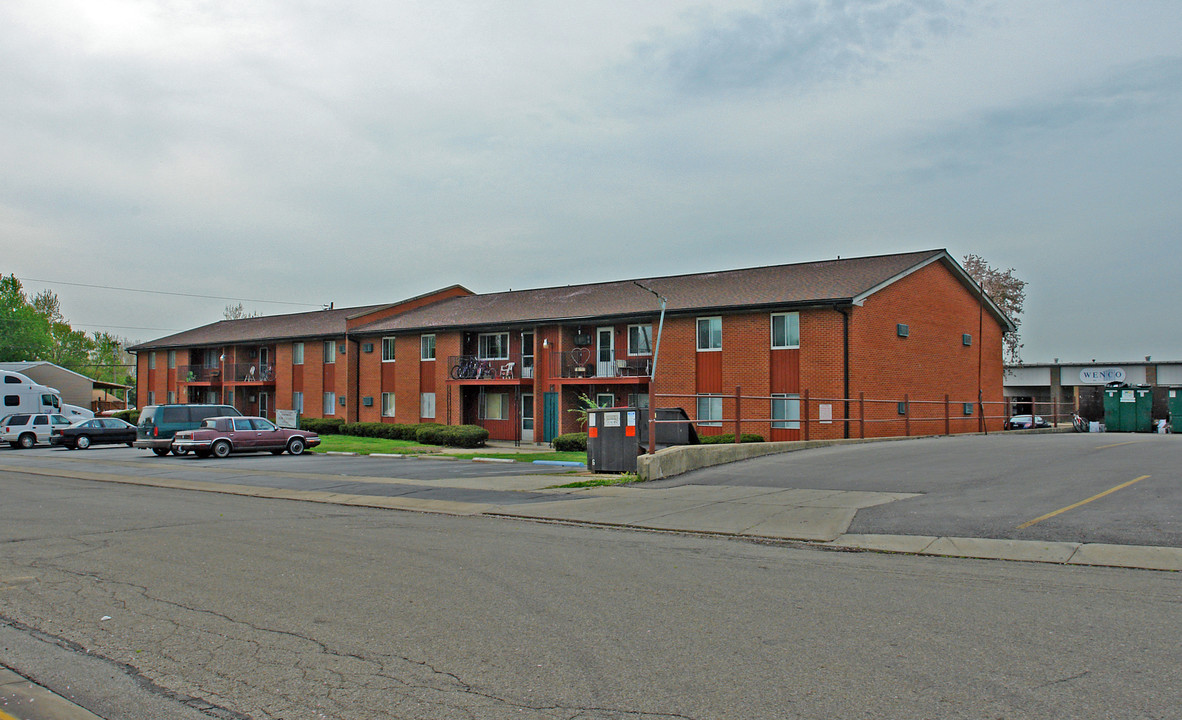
{"x": 364, "y": 151}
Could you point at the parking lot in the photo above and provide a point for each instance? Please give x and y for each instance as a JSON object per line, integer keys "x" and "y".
{"x": 1077, "y": 488}
{"x": 993, "y": 486}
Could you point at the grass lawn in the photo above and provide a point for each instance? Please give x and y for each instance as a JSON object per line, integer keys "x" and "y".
{"x": 367, "y": 445}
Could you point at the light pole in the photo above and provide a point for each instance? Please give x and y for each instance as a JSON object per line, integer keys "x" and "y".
{"x": 652, "y": 408}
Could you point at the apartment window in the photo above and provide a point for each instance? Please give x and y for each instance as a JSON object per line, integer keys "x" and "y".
{"x": 639, "y": 401}
{"x": 494, "y": 406}
{"x": 151, "y": 361}
{"x": 427, "y": 352}
{"x": 785, "y": 330}
{"x": 330, "y": 351}
{"x": 640, "y": 339}
{"x": 710, "y": 410}
{"x": 605, "y": 400}
{"x": 297, "y": 353}
{"x": 493, "y": 346}
{"x": 427, "y": 404}
{"x": 387, "y": 404}
{"x": 297, "y": 401}
{"x": 171, "y": 397}
{"x": 786, "y": 411}
{"x": 151, "y": 397}
{"x": 171, "y": 359}
{"x": 710, "y": 333}
{"x": 387, "y": 349}
{"x": 330, "y": 403}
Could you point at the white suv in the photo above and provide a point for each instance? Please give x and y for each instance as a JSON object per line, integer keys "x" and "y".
{"x": 24, "y": 430}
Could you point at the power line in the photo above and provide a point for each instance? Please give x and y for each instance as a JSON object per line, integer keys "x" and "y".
{"x": 165, "y": 292}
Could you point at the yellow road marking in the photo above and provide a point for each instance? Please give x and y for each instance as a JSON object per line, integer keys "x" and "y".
{"x": 1130, "y": 442}
{"x": 1060, "y": 511}
{"x": 6, "y": 716}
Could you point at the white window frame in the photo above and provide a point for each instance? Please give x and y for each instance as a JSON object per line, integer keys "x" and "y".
{"x": 388, "y": 404}
{"x": 427, "y": 348}
{"x": 297, "y": 401}
{"x": 151, "y": 397}
{"x": 712, "y": 404}
{"x": 171, "y": 359}
{"x": 330, "y": 404}
{"x": 427, "y": 404}
{"x": 792, "y": 327}
{"x": 495, "y": 406}
{"x": 788, "y": 405}
{"x": 605, "y": 400}
{"x": 171, "y": 397}
{"x": 297, "y": 353}
{"x": 388, "y": 353}
{"x": 634, "y": 335}
{"x": 698, "y": 335}
{"x": 152, "y": 360}
{"x": 330, "y": 352}
{"x": 482, "y": 346}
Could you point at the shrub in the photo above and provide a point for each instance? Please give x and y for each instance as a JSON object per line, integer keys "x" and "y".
{"x": 728, "y": 438}
{"x": 571, "y": 442}
{"x": 322, "y": 426}
{"x": 131, "y": 416}
{"x": 371, "y": 429}
{"x": 464, "y": 436}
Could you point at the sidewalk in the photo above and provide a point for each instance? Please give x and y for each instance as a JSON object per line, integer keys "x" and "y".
{"x": 22, "y": 699}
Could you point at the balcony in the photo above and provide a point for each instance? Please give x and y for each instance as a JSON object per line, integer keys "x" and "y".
{"x": 470, "y": 368}
{"x": 258, "y": 373}
{"x": 585, "y": 363}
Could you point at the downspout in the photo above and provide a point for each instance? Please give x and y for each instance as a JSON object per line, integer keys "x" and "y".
{"x": 845, "y": 363}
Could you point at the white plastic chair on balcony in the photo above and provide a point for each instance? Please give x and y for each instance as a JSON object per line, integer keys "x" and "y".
{"x": 250, "y": 376}
{"x": 507, "y": 371}
{"x": 621, "y": 368}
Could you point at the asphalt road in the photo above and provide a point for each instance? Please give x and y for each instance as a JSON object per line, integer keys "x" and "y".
{"x": 991, "y": 487}
{"x": 277, "y": 609}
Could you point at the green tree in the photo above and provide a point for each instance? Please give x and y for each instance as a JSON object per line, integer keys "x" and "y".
{"x": 24, "y": 332}
{"x": 1008, "y": 291}
{"x": 68, "y": 347}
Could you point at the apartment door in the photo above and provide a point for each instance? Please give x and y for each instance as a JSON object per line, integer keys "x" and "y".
{"x": 264, "y": 364}
{"x": 549, "y": 416}
{"x": 605, "y": 365}
{"x": 527, "y": 417}
{"x": 263, "y": 403}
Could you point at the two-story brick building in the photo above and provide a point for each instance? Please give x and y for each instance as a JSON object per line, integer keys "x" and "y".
{"x": 885, "y": 345}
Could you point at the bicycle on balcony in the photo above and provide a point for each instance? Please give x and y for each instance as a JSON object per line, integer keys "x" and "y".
{"x": 470, "y": 368}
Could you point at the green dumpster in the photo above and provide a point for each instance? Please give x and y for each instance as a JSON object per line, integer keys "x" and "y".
{"x": 1174, "y": 403}
{"x": 1128, "y": 408}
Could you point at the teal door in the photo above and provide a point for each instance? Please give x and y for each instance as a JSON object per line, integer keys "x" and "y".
{"x": 549, "y": 416}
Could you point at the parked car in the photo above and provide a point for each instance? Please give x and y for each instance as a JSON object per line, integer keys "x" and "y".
{"x": 158, "y": 423}
{"x": 99, "y": 431}
{"x": 1026, "y": 422}
{"x": 220, "y": 436}
{"x": 24, "y": 430}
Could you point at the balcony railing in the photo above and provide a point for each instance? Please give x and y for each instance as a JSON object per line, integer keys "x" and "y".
{"x": 472, "y": 367}
{"x": 586, "y": 362}
{"x": 234, "y": 372}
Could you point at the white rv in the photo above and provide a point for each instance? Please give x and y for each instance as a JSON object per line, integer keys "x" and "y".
{"x": 19, "y": 394}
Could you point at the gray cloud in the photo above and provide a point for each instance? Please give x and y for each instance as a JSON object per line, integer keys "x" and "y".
{"x": 794, "y": 46}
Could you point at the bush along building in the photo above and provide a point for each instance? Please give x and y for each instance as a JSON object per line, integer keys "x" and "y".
{"x": 876, "y": 346}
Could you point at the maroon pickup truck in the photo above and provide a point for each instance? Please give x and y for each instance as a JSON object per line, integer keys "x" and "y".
{"x": 220, "y": 436}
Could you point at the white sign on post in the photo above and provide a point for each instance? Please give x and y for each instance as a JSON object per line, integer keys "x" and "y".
{"x": 287, "y": 419}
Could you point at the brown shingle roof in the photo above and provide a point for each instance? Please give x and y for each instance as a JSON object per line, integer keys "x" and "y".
{"x": 800, "y": 284}
{"x": 318, "y": 323}
{"x": 776, "y": 285}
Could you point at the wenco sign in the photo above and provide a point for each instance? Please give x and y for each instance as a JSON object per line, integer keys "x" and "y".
{"x": 1101, "y": 376}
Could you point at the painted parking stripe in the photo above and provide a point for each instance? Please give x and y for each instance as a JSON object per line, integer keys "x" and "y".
{"x": 1060, "y": 511}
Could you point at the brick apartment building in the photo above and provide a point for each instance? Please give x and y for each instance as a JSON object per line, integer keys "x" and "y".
{"x": 868, "y": 346}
